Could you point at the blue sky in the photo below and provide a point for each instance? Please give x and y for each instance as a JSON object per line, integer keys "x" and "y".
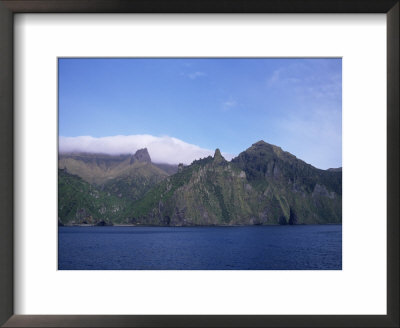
{"x": 206, "y": 103}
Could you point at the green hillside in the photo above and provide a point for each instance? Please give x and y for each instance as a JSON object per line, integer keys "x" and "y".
{"x": 262, "y": 185}
{"x": 107, "y": 185}
{"x": 100, "y": 169}
{"x": 80, "y": 202}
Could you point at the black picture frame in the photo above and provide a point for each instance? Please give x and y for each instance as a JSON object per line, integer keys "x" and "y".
{"x": 10, "y": 7}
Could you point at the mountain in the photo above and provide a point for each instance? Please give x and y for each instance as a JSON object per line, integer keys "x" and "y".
{"x": 338, "y": 169}
{"x": 263, "y": 185}
{"x": 100, "y": 168}
{"x": 80, "y": 202}
{"x": 168, "y": 168}
{"x": 97, "y": 187}
{"x": 127, "y": 176}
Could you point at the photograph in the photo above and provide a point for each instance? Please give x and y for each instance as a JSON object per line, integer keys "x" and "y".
{"x": 203, "y": 163}
{"x": 199, "y": 164}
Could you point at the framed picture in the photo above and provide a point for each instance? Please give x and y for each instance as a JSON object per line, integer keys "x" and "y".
{"x": 164, "y": 203}
{"x": 93, "y": 104}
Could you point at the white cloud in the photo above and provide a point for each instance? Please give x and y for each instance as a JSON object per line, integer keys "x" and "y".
{"x": 274, "y": 78}
{"x": 161, "y": 149}
{"x": 307, "y": 82}
{"x": 229, "y": 104}
{"x": 282, "y": 77}
{"x": 195, "y": 75}
{"x": 315, "y": 138}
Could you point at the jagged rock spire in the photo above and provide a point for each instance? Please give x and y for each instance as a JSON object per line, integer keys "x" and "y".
{"x": 218, "y": 156}
{"x": 142, "y": 155}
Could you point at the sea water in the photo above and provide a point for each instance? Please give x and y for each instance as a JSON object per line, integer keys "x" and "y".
{"x": 298, "y": 247}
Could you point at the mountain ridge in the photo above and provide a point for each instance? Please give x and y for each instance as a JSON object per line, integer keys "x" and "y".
{"x": 262, "y": 185}
{"x": 98, "y": 168}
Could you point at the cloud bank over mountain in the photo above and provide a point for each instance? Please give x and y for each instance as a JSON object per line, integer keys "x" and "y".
{"x": 163, "y": 149}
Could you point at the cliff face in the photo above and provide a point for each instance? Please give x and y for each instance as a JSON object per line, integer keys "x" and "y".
{"x": 263, "y": 185}
{"x": 80, "y": 202}
{"x": 99, "y": 169}
{"x": 142, "y": 155}
{"x": 99, "y": 187}
{"x": 210, "y": 191}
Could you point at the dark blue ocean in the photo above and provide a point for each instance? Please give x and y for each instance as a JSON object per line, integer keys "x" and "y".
{"x": 302, "y": 247}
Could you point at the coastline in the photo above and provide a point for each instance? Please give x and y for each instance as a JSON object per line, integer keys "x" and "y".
{"x": 195, "y": 226}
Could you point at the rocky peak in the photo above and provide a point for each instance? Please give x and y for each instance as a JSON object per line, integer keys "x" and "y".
{"x": 218, "y": 158}
{"x": 217, "y": 153}
{"x": 142, "y": 155}
{"x": 260, "y": 143}
{"x": 339, "y": 169}
{"x": 266, "y": 146}
{"x": 270, "y": 150}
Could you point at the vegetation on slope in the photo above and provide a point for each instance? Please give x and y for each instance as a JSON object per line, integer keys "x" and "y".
{"x": 263, "y": 185}
{"x": 80, "y": 202}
